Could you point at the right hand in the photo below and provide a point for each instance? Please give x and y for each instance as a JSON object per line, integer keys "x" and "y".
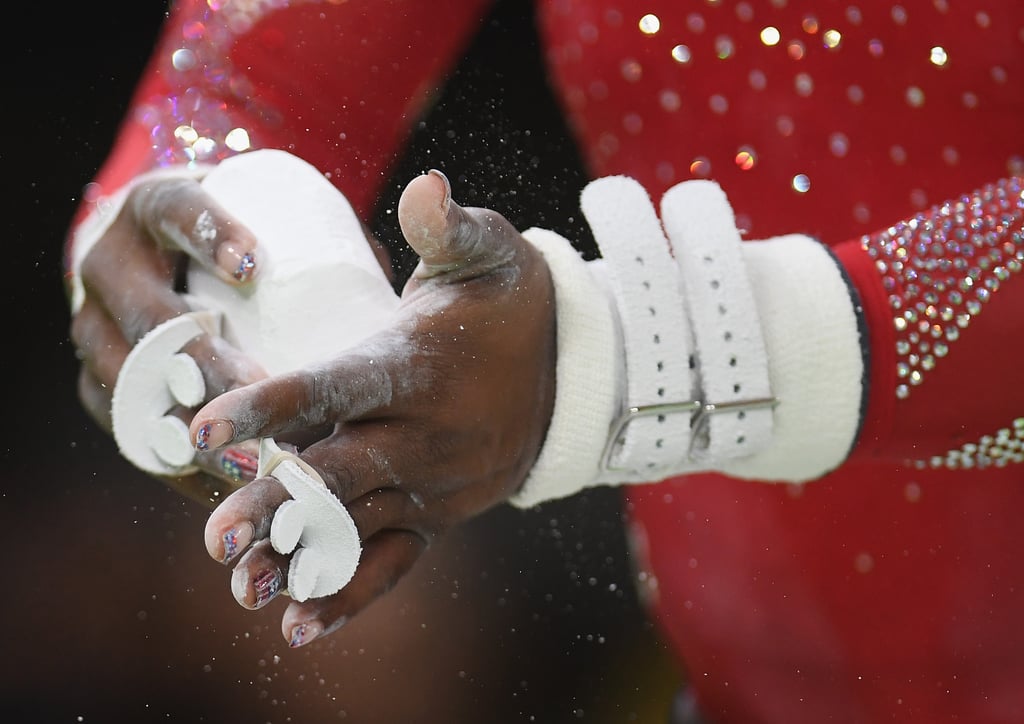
{"x": 130, "y": 276}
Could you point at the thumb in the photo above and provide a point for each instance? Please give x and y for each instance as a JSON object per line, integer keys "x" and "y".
{"x": 446, "y": 236}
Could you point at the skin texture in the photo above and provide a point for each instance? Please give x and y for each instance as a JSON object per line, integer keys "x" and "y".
{"x": 129, "y": 279}
{"x": 432, "y": 421}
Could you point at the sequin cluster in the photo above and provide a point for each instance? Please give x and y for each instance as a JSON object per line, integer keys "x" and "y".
{"x": 195, "y": 123}
{"x": 941, "y": 267}
{"x": 999, "y": 450}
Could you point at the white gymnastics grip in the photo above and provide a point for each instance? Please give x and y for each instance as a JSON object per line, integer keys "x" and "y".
{"x": 318, "y": 291}
{"x": 314, "y": 527}
{"x": 151, "y": 382}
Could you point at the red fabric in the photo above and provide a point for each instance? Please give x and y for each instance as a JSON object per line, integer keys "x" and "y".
{"x": 883, "y": 591}
{"x": 339, "y": 84}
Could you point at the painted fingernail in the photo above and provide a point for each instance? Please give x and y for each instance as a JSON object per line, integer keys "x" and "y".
{"x": 267, "y": 584}
{"x": 236, "y": 540}
{"x": 214, "y": 434}
{"x": 446, "y": 204}
{"x": 237, "y": 463}
{"x": 238, "y": 262}
{"x": 304, "y": 633}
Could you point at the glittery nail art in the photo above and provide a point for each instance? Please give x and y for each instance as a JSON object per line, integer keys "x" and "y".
{"x": 298, "y": 635}
{"x": 303, "y": 633}
{"x": 245, "y": 268}
{"x": 203, "y": 438}
{"x": 230, "y": 544}
{"x": 267, "y": 585}
{"x": 239, "y": 465}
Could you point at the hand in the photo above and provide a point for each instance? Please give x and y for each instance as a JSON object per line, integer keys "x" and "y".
{"x": 129, "y": 279}
{"x": 436, "y": 418}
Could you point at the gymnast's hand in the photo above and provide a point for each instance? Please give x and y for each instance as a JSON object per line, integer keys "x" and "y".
{"x": 435, "y": 419}
{"x": 129, "y": 279}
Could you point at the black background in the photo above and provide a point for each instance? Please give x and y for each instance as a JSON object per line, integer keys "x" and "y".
{"x": 112, "y": 610}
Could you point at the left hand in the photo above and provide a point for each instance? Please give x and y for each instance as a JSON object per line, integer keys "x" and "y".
{"x": 436, "y": 418}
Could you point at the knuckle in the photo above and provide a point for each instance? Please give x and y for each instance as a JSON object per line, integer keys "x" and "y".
{"x": 152, "y": 199}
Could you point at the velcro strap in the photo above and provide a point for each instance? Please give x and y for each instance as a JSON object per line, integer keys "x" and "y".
{"x": 731, "y": 363}
{"x": 646, "y": 285}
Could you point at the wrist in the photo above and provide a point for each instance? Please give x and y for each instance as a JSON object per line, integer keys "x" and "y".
{"x": 760, "y": 341}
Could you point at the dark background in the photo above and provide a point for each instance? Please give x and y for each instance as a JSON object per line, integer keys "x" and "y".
{"x": 114, "y": 612}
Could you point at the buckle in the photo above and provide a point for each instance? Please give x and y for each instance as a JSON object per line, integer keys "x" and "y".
{"x": 700, "y": 413}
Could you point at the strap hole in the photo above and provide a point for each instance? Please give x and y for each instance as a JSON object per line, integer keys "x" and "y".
{"x": 639, "y": 260}
{"x": 661, "y": 366}
{"x": 733, "y": 361}
{"x": 715, "y": 284}
{"x": 651, "y": 310}
{"x": 661, "y": 392}
{"x": 722, "y": 309}
{"x": 657, "y": 339}
{"x": 647, "y": 285}
{"x": 708, "y": 259}
{"x": 659, "y": 443}
{"x": 739, "y": 441}
{"x": 693, "y": 362}
{"x": 741, "y": 415}
{"x": 727, "y": 336}
{"x": 661, "y": 418}
{"x": 736, "y": 388}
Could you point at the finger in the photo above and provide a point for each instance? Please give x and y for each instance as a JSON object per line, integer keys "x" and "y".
{"x": 366, "y": 456}
{"x": 99, "y": 343}
{"x": 260, "y": 575}
{"x": 236, "y": 464}
{"x": 448, "y": 237}
{"x": 386, "y": 557}
{"x": 224, "y": 367}
{"x": 207, "y": 490}
{"x": 391, "y": 509}
{"x": 346, "y": 388}
{"x": 180, "y": 215}
{"x": 95, "y": 398}
{"x": 243, "y": 517}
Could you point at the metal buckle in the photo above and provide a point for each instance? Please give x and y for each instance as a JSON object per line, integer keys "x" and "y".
{"x": 701, "y": 412}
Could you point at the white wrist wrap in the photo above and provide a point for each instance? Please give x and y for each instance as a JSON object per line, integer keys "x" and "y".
{"x": 722, "y": 349}
{"x": 586, "y": 391}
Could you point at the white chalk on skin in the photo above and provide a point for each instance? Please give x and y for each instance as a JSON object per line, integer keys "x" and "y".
{"x": 319, "y": 291}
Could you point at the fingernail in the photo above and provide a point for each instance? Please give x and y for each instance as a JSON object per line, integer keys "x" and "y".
{"x": 446, "y": 204}
{"x": 239, "y": 464}
{"x": 236, "y": 540}
{"x": 214, "y": 434}
{"x": 267, "y": 584}
{"x": 238, "y": 262}
{"x": 304, "y": 633}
